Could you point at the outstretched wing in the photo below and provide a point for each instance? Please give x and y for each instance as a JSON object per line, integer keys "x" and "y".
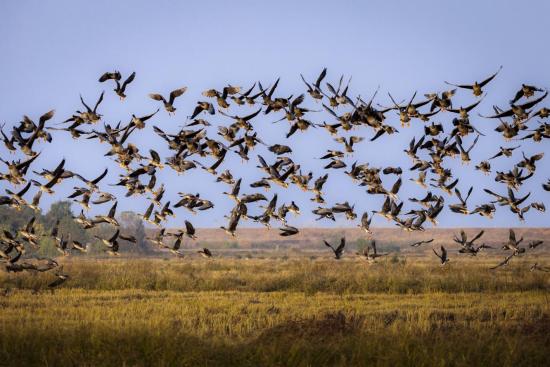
{"x": 128, "y": 80}
{"x": 478, "y": 236}
{"x": 157, "y": 97}
{"x": 320, "y": 78}
{"x": 99, "y": 101}
{"x": 100, "y": 177}
{"x": 329, "y": 245}
{"x": 176, "y": 93}
{"x": 512, "y": 236}
{"x": 342, "y": 245}
{"x": 504, "y": 262}
{"x": 490, "y": 78}
{"x": 112, "y": 211}
{"x": 189, "y": 228}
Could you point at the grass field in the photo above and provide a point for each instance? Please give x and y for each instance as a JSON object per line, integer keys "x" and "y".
{"x": 303, "y": 312}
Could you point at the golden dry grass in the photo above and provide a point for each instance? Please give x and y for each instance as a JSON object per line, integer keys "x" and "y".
{"x": 272, "y": 312}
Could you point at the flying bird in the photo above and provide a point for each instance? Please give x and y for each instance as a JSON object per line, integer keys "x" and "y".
{"x": 169, "y": 104}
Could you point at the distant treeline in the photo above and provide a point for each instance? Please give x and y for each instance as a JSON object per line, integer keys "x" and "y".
{"x": 130, "y": 223}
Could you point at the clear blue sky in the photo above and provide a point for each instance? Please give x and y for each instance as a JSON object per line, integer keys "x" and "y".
{"x": 53, "y": 50}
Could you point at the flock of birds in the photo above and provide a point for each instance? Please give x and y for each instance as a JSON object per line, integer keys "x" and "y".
{"x": 240, "y": 137}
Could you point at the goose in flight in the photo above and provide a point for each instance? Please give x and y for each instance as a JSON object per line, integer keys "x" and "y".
{"x": 315, "y": 89}
{"x": 422, "y": 242}
{"x": 139, "y": 122}
{"x": 61, "y": 278}
{"x": 120, "y": 89}
{"x": 371, "y": 256}
{"x": 506, "y": 152}
{"x": 443, "y": 256}
{"x": 526, "y": 91}
{"x": 365, "y": 223}
{"x": 462, "y": 207}
{"x": 234, "y": 220}
{"x": 91, "y": 116}
{"x": 169, "y": 104}
{"x": 92, "y": 184}
{"x": 16, "y": 198}
{"x": 468, "y": 245}
{"x": 518, "y": 111}
{"x": 190, "y": 230}
{"x": 57, "y": 173}
{"x": 109, "y": 218}
{"x": 536, "y": 266}
{"x": 477, "y": 86}
{"x": 503, "y": 262}
{"x": 535, "y": 244}
{"x": 205, "y": 252}
{"x": 338, "y": 251}
{"x": 288, "y": 231}
{"x": 513, "y": 243}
